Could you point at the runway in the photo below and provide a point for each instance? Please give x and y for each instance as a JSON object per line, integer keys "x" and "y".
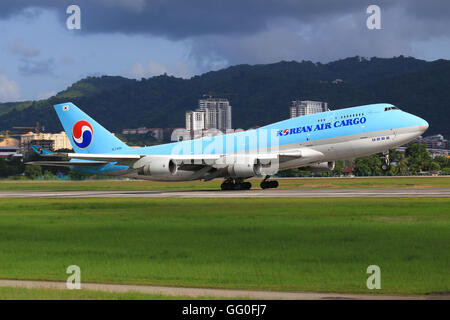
{"x": 217, "y": 293}
{"x": 256, "y": 193}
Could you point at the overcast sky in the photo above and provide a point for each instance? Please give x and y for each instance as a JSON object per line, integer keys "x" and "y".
{"x": 141, "y": 38}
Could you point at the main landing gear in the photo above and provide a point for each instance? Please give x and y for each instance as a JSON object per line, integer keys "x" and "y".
{"x": 235, "y": 184}
{"x": 386, "y": 162}
{"x": 240, "y": 184}
{"x": 268, "y": 184}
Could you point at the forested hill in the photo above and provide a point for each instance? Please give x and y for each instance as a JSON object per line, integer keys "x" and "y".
{"x": 259, "y": 94}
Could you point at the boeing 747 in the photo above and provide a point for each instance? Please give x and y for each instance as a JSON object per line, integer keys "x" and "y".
{"x": 315, "y": 141}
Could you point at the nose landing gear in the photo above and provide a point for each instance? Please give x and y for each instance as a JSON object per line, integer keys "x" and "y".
{"x": 386, "y": 162}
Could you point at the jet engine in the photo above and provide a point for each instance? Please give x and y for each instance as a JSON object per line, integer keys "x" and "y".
{"x": 321, "y": 167}
{"x": 157, "y": 166}
{"x": 245, "y": 168}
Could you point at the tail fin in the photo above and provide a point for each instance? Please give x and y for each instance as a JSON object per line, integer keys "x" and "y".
{"x": 84, "y": 133}
{"x": 41, "y": 151}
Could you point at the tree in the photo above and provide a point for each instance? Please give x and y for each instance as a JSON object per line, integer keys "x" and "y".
{"x": 403, "y": 167}
{"x": 10, "y": 167}
{"x": 361, "y": 168}
{"x": 395, "y": 155}
{"x": 444, "y": 162}
{"x": 338, "y": 167}
{"x": 435, "y": 166}
{"x": 33, "y": 171}
{"x": 48, "y": 175}
{"x": 393, "y": 171}
{"x": 77, "y": 175}
{"x": 368, "y": 166}
{"x": 4, "y": 169}
{"x": 418, "y": 157}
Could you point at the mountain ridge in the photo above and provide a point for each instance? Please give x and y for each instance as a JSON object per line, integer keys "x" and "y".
{"x": 259, "y": 94}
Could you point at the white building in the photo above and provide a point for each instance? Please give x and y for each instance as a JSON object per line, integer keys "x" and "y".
{"x": 9, "y": 152}
{"x": 195, "y": 120}
{"x": 212, "y": 113}
{"x": 305, "y": 107}
{"x": 217, "y": 113}
{"x": 52, "y": 141}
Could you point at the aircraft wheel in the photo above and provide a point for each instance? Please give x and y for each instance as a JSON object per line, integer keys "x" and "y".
{"x": 272, "y": 184}
{"x": 386, "y": 163}
{"x": 230, "y": 185}
{"x": 246, "y": 185}
{"x": 226, "y": 186}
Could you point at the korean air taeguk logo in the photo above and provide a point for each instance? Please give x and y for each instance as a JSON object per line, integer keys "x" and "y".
{"x": 82, "y": 134}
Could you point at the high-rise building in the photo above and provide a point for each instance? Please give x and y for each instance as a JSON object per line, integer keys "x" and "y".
{"x": 212, "y": 113}
{"x": 304, "y": 107}
{"x": 195, "y": 120}
{"x": 217, "y": 113}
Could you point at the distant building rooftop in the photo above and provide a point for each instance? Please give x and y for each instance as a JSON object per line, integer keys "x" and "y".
{"x": 9, "y": 151}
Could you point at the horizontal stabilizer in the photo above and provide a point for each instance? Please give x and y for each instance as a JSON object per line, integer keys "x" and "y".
{"x": 86, "y": 164}
{"x": 41, "y": 151}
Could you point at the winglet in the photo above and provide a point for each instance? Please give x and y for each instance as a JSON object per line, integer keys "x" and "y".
{"x": 41, "y": 151}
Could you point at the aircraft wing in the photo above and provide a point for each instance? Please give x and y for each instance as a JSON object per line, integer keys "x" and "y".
{"x": 127, "y": 159}
{"x": 121, "y": 159}
{"x": 193, "y": 162}
{"x": 130, "y": 159}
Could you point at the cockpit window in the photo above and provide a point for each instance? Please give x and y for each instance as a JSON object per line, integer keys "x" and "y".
{"x": 391, "y": 108}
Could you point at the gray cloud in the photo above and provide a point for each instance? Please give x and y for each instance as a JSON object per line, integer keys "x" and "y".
{"x": 179, "y": 19}
{"x": 258, "y": 31}
{"x": 31, "y": 67}
{"x": 324, "y": 40}
{"x": 18, "y": 47}
{"x": 9, "y": 90}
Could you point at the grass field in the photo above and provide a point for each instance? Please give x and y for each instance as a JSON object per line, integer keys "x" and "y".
{"x": 57, "y": 294}
{"x": 276, "y": 244}
{"x": 285, "y": 183}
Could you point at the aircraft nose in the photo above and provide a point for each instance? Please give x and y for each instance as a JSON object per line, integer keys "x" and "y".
{"x": 423, "y": 125}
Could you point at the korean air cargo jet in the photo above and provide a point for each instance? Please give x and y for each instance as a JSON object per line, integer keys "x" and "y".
{"x": 315, "y": 141}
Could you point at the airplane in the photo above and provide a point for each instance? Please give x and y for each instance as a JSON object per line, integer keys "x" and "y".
{"x": 315, "y": 141}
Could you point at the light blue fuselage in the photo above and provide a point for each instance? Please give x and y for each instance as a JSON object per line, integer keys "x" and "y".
{"x": 338, "y": 134}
